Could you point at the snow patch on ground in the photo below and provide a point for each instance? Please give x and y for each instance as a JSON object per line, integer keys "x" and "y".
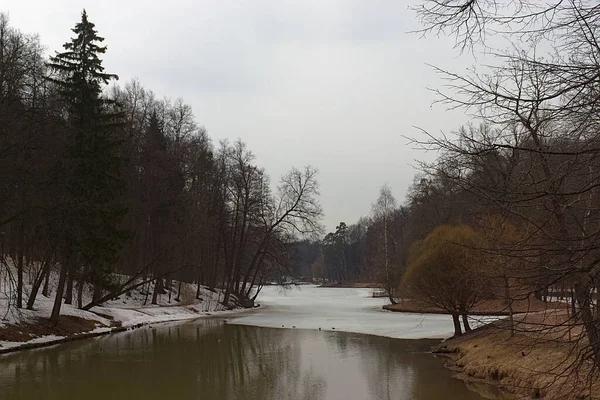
{"x": 128, "y": 310}
{"x": 344, "y": 309}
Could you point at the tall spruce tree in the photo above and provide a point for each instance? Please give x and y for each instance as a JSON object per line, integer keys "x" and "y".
{"x": 89, "y": 173}
{"x": 81, "y": 76}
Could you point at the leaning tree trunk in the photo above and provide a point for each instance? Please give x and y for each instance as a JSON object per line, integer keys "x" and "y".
{"x": 60, "y": 290}
{"x": 457, "y": 327}
{"x": 37, "y": 284}
{"x": 392, "y": 300}
{"x": 34, "y": 290}
{"x": 465, "y": 319}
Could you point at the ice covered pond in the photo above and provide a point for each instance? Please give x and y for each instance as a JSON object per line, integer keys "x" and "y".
{"x": 342, "y": 309}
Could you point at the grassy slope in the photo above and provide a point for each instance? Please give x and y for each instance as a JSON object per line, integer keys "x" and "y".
{"x": 535, "y": 362}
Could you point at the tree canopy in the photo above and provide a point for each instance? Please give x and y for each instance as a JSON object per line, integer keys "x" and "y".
{"x": 446, "y": 270}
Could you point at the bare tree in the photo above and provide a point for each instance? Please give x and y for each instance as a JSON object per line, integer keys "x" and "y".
{"x": 390, "y": 246}
{"x": 541, "y": 112}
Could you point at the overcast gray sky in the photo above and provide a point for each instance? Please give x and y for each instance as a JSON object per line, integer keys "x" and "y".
{"x": 330, "y": 83}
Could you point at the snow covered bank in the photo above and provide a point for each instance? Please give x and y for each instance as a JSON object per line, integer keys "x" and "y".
{"x": 344, "y": 309}
{"x": 129, "y": 318}
{"x": 23, "y": 326}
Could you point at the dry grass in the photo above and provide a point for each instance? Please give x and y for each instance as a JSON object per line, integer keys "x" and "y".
{"x": 360, "y": 285}
{"x": 537, "y": 362}
{"x": 487, "y": 307}
{"x": 67, "y": 326}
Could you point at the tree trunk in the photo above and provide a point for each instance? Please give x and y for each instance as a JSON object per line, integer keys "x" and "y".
{"x": 20, "y": 262}
{"x": 256, "y": 268}
{"x": 252, "y": 285}
{"x": 227, "y": 295}
{"x": 97, "y": 292}
{"x": 465, "y": 319}
{"x": 60, "y": 290}
{"x": 80, "y": 286}
{"x": 70, "y": 278}
{"x": 147, "y": 292}
{"x": 253, "y": 299}
{"x": 178, "y": 298}
{"x": 228, "y": 287}
{"x": 158, "y": 286}
{"x": 509, "y": 303}
{"x": 46, "y": 289}
{"x": 562, "y": 291}
{"x": 391, "y": 298}
{"x": 198, "y": 290}
{"x": 582, "y": 293}
{"x": 457, "y": 327}
{"x": 573, "y": 304}
{"x": 215, "y": 266}
{"x": 37, "y": 284}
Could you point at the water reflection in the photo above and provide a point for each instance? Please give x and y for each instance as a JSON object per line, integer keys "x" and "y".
{"x": 208, "y": 359}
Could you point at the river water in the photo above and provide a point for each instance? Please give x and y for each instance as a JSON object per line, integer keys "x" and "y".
{"x": 217, "y": 359}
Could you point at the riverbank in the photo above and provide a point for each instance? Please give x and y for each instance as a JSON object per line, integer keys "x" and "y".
{"x": 23, "y": 329}
{"x": 488, "y": 307}
{"x": 351, "y": 285}
{"x": 534, "y": 362}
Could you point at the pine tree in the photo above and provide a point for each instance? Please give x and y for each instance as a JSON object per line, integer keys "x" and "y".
{"x": 89, "y": 174}
{"x": 81, "y": 75}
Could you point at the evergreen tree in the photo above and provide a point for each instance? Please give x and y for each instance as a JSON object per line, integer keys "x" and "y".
{"x": 90, "y": 172}
{"x": 81, "y": 76}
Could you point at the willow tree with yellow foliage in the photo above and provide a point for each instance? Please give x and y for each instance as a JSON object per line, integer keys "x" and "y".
{"x": 445, "y": 270}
